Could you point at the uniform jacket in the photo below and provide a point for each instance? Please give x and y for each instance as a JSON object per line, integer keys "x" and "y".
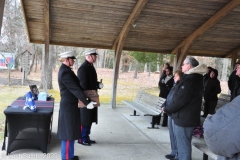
{"x": 70, "y": 91}
{"x": 212, "y": 88}
{"x": 185, "y": 105}
{"x": 165, "y": 87}
{"x": 88, "y": 80}
{"x": 221, "y": 131}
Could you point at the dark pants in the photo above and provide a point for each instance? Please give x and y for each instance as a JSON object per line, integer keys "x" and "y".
{"x": 165, "y": 119}
{"x": 86, "y": 130}
{"x": 209, "y": 107}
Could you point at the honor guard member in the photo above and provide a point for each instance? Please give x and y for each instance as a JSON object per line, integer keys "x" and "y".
{"x": 88, "y": 81}
{"x": 70, "y": 92}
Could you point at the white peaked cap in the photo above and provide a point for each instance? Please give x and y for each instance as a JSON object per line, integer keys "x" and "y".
{"x": 68, "y": 54}
{"x": 90, "y": 51}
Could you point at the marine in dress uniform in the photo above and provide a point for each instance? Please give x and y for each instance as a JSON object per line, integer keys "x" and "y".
{"x": 88, "y": 81}
{"x": 71, "y": 92}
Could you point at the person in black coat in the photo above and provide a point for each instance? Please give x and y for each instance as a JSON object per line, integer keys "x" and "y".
{"x": 236, "y": 90}
{"x": 206, "y": 76}
{"x": 232, "y": 78}
{"x": 165, "y": 84}
{"x": 212, "y": 89}
{"x": 185, "y": 106}
{"x": 88, "y": 81}
{"x": 70, "y": 92}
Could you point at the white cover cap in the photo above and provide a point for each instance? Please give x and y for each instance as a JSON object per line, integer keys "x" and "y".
{"x": 68, "y": 54}
{"x": 90, "y": 51}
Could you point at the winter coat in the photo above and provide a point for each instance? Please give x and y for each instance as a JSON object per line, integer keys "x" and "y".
{"x": 221, "y": 131}
{"x": 232, "y": 80}
{"x": 185, "y": 106}
{"x": 169, "y": 98}
{"x": 212, "y": 88}
{"x": 236, "y": 90}
{"x": 70, "y": 91}
{"x": 165, "y": 87}
{"x": 88, "y": 81}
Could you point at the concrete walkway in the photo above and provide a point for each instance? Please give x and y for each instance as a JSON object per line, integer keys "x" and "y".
{"x": 119, "y": 136}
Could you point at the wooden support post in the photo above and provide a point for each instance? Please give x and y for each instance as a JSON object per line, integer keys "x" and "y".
{"x": 234, "y": 59}
{"x": 47, "y": 41}
{"x": 2, "y": 2}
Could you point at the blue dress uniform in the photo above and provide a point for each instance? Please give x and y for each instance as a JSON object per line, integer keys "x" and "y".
{"x": 68, "y": 121}
{"x": 88, "y": 80}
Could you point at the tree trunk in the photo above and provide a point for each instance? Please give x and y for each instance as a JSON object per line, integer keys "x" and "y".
{"x": 136, "y": 71}
{"x": 42, "y": 70}
{"x": 224, "y": 69}
{"x": 50, "y": 68}
{"x": 145, "y": 67}
{"x": 149, "y": 69}
{"x": 219, "y": 66}
{"x": 31, "y": 66}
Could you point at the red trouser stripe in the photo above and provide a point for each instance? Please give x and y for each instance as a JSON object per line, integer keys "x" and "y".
{"x": 67, "y": 149}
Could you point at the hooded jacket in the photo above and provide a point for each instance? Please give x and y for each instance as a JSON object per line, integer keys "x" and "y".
{"x": 212, "y": 88}
{"x": 185, "y": 106}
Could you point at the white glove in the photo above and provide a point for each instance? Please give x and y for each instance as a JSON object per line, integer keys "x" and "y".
{"x": 100, "y": 85}
{"x": 91, "y": 105}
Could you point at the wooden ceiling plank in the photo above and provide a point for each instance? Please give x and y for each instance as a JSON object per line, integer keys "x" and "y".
{"x": 209, "y": 23}
{"x": 130, "y": 21}
{"x": 25, "y": 20}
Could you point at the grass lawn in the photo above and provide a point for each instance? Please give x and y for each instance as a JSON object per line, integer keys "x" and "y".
{"x": 127, "y": 89}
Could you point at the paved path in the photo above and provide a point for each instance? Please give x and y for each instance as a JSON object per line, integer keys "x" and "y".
{"x": 119, "y": 136}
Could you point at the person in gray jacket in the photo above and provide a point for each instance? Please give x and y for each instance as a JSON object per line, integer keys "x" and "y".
{"x": 221, "y": 131}
{"x": 185, "y": 106}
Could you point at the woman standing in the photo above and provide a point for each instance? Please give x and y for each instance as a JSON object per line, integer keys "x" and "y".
{"x": 173, "y": 155}
{"x": 165, "y": 84}
{"x": 212, "y": 89}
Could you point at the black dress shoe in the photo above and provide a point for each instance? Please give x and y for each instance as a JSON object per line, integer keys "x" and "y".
{"x": 86, "y": 143}
{"x": 92, "y": 141}
{"x": 74, "y": 158}
{"x": 170, "y": 156}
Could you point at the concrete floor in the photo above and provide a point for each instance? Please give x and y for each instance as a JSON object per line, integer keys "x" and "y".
{"x": 119, "y": 136}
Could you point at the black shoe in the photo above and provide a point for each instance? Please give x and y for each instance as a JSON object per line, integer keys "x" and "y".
{"x": 92, "y": 141}
{"x": 86, "y": 143}
{"x": 170, "y": 156}
{"x": 74, "y": 158}
{"x": 164, "y": 125}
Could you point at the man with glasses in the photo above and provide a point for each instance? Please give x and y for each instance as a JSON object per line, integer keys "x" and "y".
{"x": 71, "y": 92}
{"x": 185, "y": 106}
{"x": 87, "y": 76}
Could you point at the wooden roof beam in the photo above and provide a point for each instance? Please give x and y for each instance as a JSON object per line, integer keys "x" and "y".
{"x": 2, "y": 2}
{"x": 209, "y": 23}
{"x": 118, "y": 45}
{"x": 130, "y": 21}
{"x": 235, "y": 51}
{"x": 25, "y": 20}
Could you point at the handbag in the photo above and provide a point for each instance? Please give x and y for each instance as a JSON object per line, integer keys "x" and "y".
{"x": 92, "y": 95}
